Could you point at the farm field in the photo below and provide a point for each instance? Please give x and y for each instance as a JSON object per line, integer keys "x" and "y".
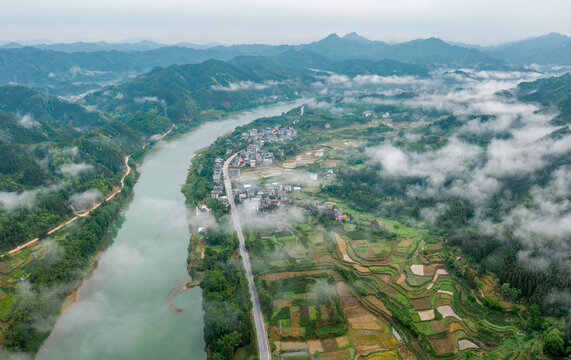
{"x": 370, "y": 287}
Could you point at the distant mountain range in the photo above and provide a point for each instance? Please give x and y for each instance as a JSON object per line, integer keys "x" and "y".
{"x": 550, "y": 49}
{"x": 61, "y": 69}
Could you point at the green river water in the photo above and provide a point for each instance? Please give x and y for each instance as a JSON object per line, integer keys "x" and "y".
{"x": 124, "y": 306}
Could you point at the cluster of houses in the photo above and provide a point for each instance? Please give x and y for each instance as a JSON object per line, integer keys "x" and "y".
{"x": 328, "y": 209}
{"x": 266, "y": 198}
{"x": 217, "y": 176}
{"x": 270, "y": 134}
{"x": 252, "y": 155}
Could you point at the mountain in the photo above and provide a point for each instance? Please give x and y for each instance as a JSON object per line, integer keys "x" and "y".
{"x": 22, "y": 101}
{"x": 426, "y": 52}
{"x": 184, "y": 91}
{"x": 63, "y": 73}
{"x": 81, "y": 67}
{"x": 81, "y": 46}
{"x": 552, "y": 48}
{"x": 554, "y": 92}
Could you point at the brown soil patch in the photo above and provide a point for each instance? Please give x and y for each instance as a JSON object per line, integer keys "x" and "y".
{"x": 364, "y": 350}
{"x": 429, "y": 270}
{"x": 355, "y": 312}
{"x": 435, "y": 247}
{"x": 314, "y": 345}
{"x": 324, "y": 312}
{"x": 365, "y": 322}
{"x": 342, "y": 341}
{"x": 405, "y": 243}
{"x": 348, "y": 302}
{"x": 390, "y": 291}
{"x": 70, "y": 300}
{"x": 362, "y": 269}
{"x": 378, "y": 303}
{"x": 343, "y": 289}
{"x": 405, "y": 353}
{"x": 337, "y": 355}
{"x": 275, "y": 332}
{"x": 443, "y": 346}
{"x": 455, "y": 327}
{"x": 280, "y": 303}
{"x": 329, "y": 345}
{"x": 5, "y": 267}
{"x": 291, "y": 345}
{"x": 401, "y": 279}
{"x": 294, "y": 316}
{"x": 421, "y": 304}
{"x": 384, "y": 277}
{"x": 437, "y": 326}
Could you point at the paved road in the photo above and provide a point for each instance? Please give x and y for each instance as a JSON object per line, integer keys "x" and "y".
{"x": 261, "y": 334}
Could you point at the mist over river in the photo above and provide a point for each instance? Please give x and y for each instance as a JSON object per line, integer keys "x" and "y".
{"x": 123, "y": 311}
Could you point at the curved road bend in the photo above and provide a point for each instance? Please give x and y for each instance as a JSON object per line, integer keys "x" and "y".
{"x": 261, "y": 334}
{"x": 94, "y": 206}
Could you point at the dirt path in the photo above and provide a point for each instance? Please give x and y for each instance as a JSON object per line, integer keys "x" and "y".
{"x": 95, "y": 206}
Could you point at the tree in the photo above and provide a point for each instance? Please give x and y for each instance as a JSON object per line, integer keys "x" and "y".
{"x": 554, "y": 342}
{"x": 535, "y": 318}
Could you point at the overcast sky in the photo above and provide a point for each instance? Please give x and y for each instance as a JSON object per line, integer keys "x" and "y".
{"x": 280, "y": 21}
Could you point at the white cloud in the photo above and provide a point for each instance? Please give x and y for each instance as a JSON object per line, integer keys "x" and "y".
{"x": 12, "y": 200}
{"x": 245, "y": 85}
{"x": 85, "y": 199}
{"x": 28, "y": 122}
{"x": 75, "y": 169}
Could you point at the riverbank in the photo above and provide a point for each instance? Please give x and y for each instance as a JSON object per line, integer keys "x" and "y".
{"x": 149, "y": 246}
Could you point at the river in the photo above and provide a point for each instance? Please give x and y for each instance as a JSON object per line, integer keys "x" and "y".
{"x": 123, "y": 310}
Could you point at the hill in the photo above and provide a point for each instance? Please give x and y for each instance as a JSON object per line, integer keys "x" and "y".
{"x": 19, "y": 100}
{"x": 550, "y": 49}
{"x": 554, "y": 92}
{"x": 427, "y": 52}
{"x": 182, "y": 92}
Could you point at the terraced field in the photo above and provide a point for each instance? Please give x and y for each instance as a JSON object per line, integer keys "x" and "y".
{"x": 386, "y": 296}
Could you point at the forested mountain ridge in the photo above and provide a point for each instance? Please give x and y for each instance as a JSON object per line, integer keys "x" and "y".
{"x": 54, "y": 156}
{"x": 182, "y": 92}
{"x": 61, "y": 72}
{"x": 553, "y": 92}
{"x": 25, "y": 101}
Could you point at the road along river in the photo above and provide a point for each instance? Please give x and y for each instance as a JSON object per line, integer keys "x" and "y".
{"x": 123, "y": 310}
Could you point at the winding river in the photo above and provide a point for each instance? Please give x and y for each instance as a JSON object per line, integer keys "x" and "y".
{"x": 124, "y": 307}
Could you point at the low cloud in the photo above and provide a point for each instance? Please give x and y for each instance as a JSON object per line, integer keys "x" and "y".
{"x": 430, "y": 214}
{"x": 85, "y": 199}
{"x": 144, "y": 99}
{"x": 11, "y": 201}
{"x": 245, "y": 85}
{"x": 519, "y": 146}
{"x": 77, "y": 70}
{"x": 75, "y": 169}
{"x": 28, "y": 122}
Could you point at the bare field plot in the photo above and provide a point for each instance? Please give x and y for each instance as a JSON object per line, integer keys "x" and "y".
{"x": 426, "y": 315}
{"x": 443, "y": 345}
{"x": 336, "y": 355}
{"x": 421, "y": 303}
{"x": 447, "y": 311}
{"x": 314, "y": 345}
{"x": 466, "y": 344}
